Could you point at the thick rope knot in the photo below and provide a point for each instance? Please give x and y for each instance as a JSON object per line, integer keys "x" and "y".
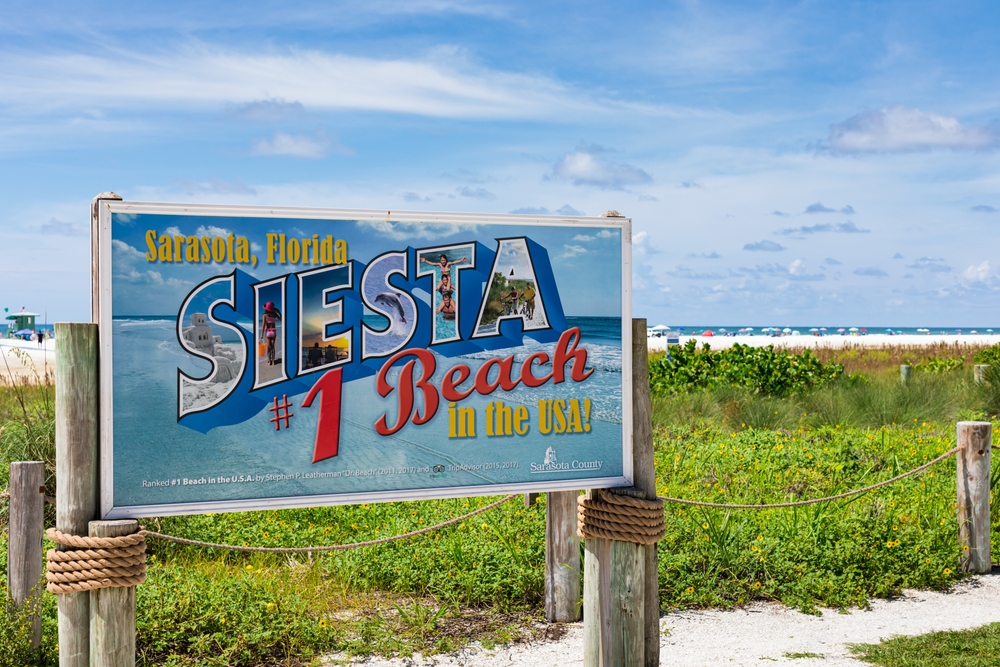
{"x": 95, "y": 562}
{"x": 620, "y": 517}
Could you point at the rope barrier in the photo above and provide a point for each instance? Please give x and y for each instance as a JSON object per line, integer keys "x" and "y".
{"x": 91, "y": 563}
{"x": 335, "y": 547}
{"x": 814, "y": 501}
{"x": 609, "y": 515}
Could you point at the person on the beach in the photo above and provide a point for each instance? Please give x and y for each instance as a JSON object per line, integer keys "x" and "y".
{"x": 528, "y": 299}
{"x": 447, "y": 307}
{"x": 444, "y": 264}
{"x": 511, "y": 301}
{"x": 269, "y": 328}
{"x": 315, "y": 356}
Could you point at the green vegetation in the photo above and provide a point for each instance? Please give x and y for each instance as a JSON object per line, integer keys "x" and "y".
{"x": 970, "y": 648}
{"x": 746, "y": 441}
{"x": 760, "y": 370}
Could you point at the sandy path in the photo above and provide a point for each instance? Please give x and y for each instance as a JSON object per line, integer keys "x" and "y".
{"x": 43, "y": 358}
{"x": 760, "y": 635}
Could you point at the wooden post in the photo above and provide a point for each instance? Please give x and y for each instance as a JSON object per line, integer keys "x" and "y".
{"x": 979, "y": 373}
{"x": 904, "y": 373}
{"x": 112, "y": 610}
{"x": 621, "y": 608}
{"x": 76, "y": 469}
{"x": 975, "y": 440}
{"x": 24, "y": 546}
{"x": 596, "y": 599}
{"x": 562, "y": 558}
{"x": 644, "y": 470}
{"x": 530, "y": 499}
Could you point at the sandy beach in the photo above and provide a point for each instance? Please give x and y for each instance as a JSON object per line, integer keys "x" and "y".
{"x": 756, "y": 635}
{"x": 26, "y": 360}
{"x": 835, "y": 341}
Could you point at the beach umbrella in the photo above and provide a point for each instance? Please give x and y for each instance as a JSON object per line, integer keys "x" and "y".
{"x": 989, "y": 331}
{"x": 661, "y": 327}
{"x": 722, "y": 330}
{"x": 822, "y": 328}
{"x": 796, "y": 332}
{"x": 786, "y": 330}
{"x": 853, "y": 329}
{"x": 708, "y": 333}
{"x": 841, "y": 330}
{"x": 814, "y": 329}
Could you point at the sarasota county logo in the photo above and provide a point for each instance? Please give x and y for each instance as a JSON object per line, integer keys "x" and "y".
{"x": 551, "y": 464}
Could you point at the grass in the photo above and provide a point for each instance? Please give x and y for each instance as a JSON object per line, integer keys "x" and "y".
{"x": 979, "y": 647}
{"x": 482, "y": 580}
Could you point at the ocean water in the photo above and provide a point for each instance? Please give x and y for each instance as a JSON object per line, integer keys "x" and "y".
{"x": 150, "y": 447}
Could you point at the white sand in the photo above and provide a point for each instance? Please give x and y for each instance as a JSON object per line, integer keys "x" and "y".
{"x": 43, "y": 359}
{"x": 838, "y": 341}
{"x": 759, "y": 635}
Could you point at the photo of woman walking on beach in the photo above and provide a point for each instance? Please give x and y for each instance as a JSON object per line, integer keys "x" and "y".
{"x": 269, "y": 328}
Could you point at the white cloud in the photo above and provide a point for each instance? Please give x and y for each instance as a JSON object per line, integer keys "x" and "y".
{"x": 765, "y": 245}
{"x": 589, "y": 165}
{"x": 443, "y": 84}
{"x": 298, "y": 145}
{"x": 977, "y": 274}
{"x": 475, "y": 193}
{"x": 406, "y": 231}
{"x": 211, "y": 230}
{"x": 573, "y": 250}
{"x": 584, "y": 237}
{"x": 900, "y": 128}
{"x": 605, "y": 234}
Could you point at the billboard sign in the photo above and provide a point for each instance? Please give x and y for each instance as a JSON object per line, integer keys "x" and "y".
{"x": 259, "y": 358}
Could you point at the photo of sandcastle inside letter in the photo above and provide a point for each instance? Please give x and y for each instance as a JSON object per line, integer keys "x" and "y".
{"x": 219, "y": 344}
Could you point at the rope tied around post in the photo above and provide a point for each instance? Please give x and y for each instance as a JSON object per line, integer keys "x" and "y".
{"x": 91, "y": 563}
{"x": 620, "y": 517}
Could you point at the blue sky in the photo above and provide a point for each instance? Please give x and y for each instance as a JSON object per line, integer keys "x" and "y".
{"x": 782, "y": 162}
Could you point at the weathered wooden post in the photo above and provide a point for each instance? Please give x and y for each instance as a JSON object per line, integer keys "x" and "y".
{"x": 76, "y": 469}
{"x": 975, "y": 442}
{"x": 621, "y": 589}
{"x": 112, "y": 610}
{"x": 562, "y": 558}
{"x": 979, "y": 373}
{"x": 24, "y": 547}
{"x": 644, "y": 468}
{"x": 904, "y": 373}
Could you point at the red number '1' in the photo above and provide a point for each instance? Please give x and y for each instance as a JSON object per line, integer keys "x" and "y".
{"x": 328, "y": 427}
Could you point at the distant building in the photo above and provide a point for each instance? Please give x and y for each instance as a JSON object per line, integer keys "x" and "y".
{"x": 22, "y": 320}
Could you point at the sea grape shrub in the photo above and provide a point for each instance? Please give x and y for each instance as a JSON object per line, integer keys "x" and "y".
{"x": 940, "y": 364}
{"x": 989, "y": 355}
{"x": 760, "y": 370}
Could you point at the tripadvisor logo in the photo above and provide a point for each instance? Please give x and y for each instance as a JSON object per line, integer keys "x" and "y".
{"x": 551, "y": 463}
